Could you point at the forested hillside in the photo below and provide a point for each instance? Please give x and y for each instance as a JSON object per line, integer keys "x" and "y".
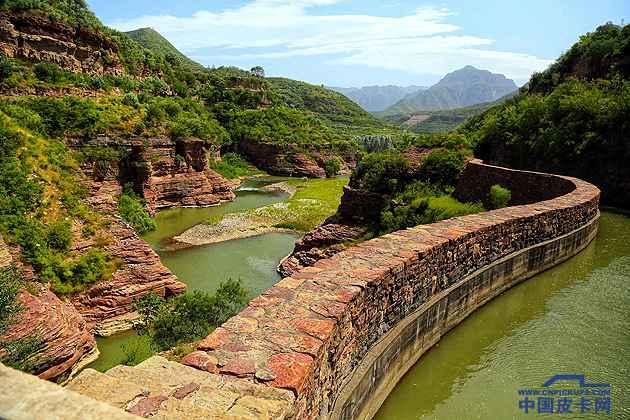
{"x": 573, "y": 119}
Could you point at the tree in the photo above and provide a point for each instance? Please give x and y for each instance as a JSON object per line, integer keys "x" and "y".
{"x": 258, "y": 71}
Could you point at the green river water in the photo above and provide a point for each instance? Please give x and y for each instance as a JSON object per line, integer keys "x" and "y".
{"x": 253, "y": 260}
{"x": 574, "y": 318}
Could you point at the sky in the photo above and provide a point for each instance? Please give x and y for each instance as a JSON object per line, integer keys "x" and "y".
{"x": 368, "y": 42}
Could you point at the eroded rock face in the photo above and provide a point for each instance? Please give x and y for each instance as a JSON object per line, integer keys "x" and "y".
{"x": 167, "y": 173}
{"x": 67, "y": 344}
{"x": 289, "y": 160}
{"x": 323, "y": 242}
{"x": 37, "y": 38}
{"x": 108, "y": 306}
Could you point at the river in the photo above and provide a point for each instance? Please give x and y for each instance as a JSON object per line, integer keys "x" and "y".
{"x": 252, "y": 260}
{"x": 574, "y": 318}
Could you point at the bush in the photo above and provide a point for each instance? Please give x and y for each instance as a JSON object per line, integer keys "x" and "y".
{"x": 422, "y": 203}
{"x": 59, "y": 236}
{"x": 133, "y": 211}
{"x": 386, "y": 173}
{"x": 131, "y": 99}
{"x": 189, "y": 316}
{"x": 20, "y": 354}
{"x": 6, "y": 68}
{"x": 233, "y": 166}
{"x": 443, "y": 166}
{"x": 136, "y": 350}
{"x": 10, "y": 284}
{"x": 48, "y": 72}
{"x": 332, "y": 167}
{"x": 499, "y": 197}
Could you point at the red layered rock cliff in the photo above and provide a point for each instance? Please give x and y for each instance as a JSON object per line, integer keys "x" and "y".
{"x": 108, "y": 306}
{"x": 66, "y": 341}
{"x": 38, "y": 38}
{"x": 291, "y": 160}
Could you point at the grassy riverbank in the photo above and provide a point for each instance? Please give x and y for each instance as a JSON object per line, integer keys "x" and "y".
{"x": 311, "y": 202}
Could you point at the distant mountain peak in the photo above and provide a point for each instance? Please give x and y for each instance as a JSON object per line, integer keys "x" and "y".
{"x": 460, "y": 88}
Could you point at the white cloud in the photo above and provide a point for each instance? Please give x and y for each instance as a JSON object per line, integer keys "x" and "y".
{"x": 421, "y": 42}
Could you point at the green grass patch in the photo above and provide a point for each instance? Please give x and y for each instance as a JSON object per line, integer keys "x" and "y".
{"x": 234, "y": 166}
{"x": 313, "y": 201}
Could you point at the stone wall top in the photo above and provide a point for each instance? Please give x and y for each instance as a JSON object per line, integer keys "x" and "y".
{"x": 309, "y": 331}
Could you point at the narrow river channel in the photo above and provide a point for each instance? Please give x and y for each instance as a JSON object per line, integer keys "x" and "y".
{"x": 573, "y": 318}
{"x": 253, "y": 260}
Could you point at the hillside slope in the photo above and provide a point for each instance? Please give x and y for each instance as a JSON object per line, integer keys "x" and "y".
{"x": 574, "y": 118}
{"x": 152, "y": 40}
{"x": 462, "y": 88}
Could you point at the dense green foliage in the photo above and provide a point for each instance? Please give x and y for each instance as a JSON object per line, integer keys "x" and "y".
{"x": 499, "y": 197}
{"x": 10, "y": 283}
{"x": 26, "y": 218}
{"x": 421, "y": 203}
{"x": 233, "y": 166}
{"x": 281, "y": 125}
{"x": 602, "y": 54}
{"x": 153, "y": 41}
{"x": 189, "y": 316}
{"x": 133, "y": 211}
{"x": 574, "y": 120}
{"x": 74, "y": 12}
{"x": 22, "y": 354}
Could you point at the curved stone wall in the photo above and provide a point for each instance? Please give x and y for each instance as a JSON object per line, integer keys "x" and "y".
{"x": 340, "y": 334}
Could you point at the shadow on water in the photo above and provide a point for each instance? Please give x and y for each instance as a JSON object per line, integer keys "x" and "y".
{"x": 572, "y": 318}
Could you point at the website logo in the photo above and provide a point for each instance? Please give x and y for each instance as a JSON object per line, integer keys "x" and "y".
{"x": 564, "y": 394}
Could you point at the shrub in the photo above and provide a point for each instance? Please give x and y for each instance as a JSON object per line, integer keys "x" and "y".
{"x": 233, "y": 166}
{"x": 10, "y": 283}
{"x": 133, "y": 211}
{"x": 131, "y": 99}
{"x": 189, "y": 316}
{"x": 332, "y": 167}
{"x": 48, "y": 72}
{"x": 385, "y": 173}
{"x": 59, "y": 236}
{"x": 442, "y": 166}
{"x": 422, "y": 203}
{"x": 6, "y": 68}
{"x": 20, "y": 354}
{"x": 499, "y": 197}
{"x": 136, "y": 350}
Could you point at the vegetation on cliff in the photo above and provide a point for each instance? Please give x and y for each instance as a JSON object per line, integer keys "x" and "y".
{"x": 190, "y": 316}
{"x": 574, "y": 120}
{"x": 39, "y": 194}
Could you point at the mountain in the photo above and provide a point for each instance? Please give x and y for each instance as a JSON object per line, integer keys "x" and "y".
{"x": 153, "y": 41}
{"x": 462, "y": 88}
{"x": 377, "y": 98}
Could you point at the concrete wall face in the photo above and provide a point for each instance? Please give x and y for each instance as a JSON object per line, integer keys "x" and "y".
{"x": 323, "y": 332}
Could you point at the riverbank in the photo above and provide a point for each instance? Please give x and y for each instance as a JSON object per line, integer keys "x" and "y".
{"x": 310, "y": 202}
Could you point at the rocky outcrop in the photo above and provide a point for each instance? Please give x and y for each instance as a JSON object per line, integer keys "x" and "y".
{"x": 108, "y": 306}
{"x": 167, "y": 173}
{"x": 67, "y": 344}
{"x": 294, "y": 160}
{"x": 64, "y": 341}
{"x": 37, "y": 38}
{"x": 324, "y": 241}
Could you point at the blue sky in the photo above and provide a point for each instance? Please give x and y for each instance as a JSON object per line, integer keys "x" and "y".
{"x": 366, "y": 42}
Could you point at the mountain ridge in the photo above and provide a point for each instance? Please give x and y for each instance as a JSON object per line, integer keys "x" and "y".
{"x": 376, "y": 98}
{"x": 461, "y": 88}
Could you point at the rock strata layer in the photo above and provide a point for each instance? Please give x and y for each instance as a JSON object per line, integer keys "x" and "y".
{"x": 37, "y": 38}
